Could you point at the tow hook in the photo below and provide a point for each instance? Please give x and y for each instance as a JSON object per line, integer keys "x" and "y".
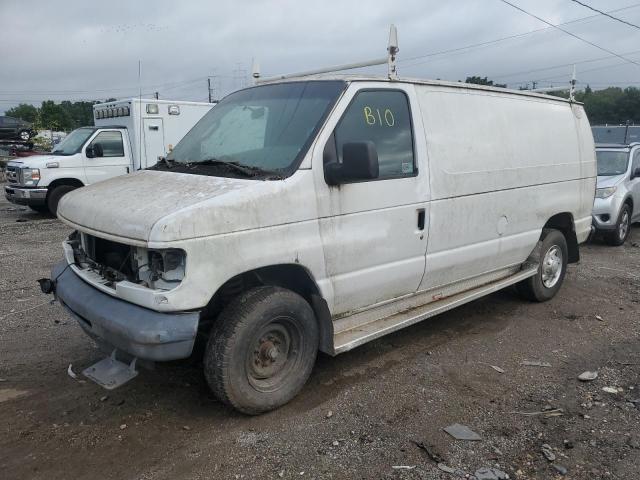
{"x": 47, "y": 285}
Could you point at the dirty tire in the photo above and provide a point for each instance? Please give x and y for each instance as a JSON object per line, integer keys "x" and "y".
{"x": 39, "y": 208}
{"x": 553, "y": 266}
{"x": 54, "y": 197}
{"x": 623, "y": 227}
{"x": 261, "y": 350}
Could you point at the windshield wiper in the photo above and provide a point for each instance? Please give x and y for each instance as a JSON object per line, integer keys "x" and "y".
{"x": 246, "y": 170}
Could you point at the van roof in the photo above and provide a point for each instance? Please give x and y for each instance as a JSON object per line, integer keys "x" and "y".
{"x": 416, "y": 81}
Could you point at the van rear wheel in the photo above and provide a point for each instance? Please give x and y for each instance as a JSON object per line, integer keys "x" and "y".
{"x": 261, "y": 350}
{"x": 551, "y": 270}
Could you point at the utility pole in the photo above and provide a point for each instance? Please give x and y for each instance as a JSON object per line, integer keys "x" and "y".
{"x": 209, "y": 88}
{"x": 239, "y": 76}
{"x": 157, "y": 96}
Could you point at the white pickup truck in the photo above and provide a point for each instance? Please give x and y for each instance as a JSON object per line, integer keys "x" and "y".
{"x": 128, "y": 135}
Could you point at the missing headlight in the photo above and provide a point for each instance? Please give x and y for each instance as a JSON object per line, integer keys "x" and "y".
{"x": 167, "y": 267}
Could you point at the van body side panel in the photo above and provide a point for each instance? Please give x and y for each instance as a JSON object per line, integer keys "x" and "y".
{"x": 501, "y": 165}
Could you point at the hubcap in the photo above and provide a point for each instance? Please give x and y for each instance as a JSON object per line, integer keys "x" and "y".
{"x": 24, "y": 136}
{"x": 624, "y": 225}
{"x": 273, "y": 355}
{"x": 552, "y": 266}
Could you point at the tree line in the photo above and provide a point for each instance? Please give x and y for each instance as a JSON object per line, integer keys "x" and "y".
{"x": 63, "y": 116}
{"x": 611, "y": 105}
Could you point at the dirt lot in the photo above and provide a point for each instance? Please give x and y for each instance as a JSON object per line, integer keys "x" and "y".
{"x": 384, "y": 397}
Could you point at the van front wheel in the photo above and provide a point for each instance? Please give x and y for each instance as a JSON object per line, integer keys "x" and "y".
{"x": 261, "y": 350}
{"x": 551, "y": 269}
{"x": 54, "y": 197}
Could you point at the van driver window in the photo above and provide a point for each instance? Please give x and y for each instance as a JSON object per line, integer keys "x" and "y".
{"x": 111, "y": 144}
{"x": 381, "y": 117}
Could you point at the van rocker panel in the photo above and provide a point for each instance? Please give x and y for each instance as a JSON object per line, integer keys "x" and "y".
{"x": 135, "y": 330}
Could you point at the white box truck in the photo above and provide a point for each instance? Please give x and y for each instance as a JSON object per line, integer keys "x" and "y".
{"x": 128, "y": 135}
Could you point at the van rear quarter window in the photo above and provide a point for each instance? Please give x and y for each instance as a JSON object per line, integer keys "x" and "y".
{"x": 382, "y": 117}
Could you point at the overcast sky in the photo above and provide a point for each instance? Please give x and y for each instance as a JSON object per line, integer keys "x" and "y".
{"x": 90, "y": 50}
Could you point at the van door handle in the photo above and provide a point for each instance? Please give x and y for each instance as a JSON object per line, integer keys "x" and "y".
{"x": 421, "y": 218}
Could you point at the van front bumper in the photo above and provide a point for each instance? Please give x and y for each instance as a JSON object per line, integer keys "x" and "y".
{"x": 114, "y": 323}
{"x": 26, "y": 196}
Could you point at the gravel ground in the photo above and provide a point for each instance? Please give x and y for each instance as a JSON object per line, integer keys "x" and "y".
{"x": 362, "y": 414}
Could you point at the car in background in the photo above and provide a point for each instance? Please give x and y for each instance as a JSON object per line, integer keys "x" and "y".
{"x": 617, "y": 202}
{"x": 15, "y": 130}
{"x": 618, "y": 134}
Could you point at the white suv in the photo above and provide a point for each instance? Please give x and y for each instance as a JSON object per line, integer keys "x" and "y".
{"x": 617, "y": 202}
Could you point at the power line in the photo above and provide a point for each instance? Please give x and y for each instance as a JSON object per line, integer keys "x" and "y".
{"x": 501, "y": 39}
{"x": 571, "y": 34}
{"x": 606, "y": 14}
{"x": 605, "y": 67}
{"x": 599, "y": 59}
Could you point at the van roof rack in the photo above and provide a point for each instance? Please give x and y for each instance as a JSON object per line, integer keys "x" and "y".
{"x": 390, "y": 60}
{"x": 572, "y": 87}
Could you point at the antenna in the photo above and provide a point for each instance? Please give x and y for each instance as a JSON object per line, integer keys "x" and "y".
{"x": 389, "y": 60}
{"x": 255, "y": 70}
{"x": 572, "y": 90}
{"x": 393, "y": 49}
{"x": 140, "y": 130}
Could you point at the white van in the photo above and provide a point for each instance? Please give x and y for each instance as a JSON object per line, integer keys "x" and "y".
{"x": 128, "y": 135}
{"x": 319, "y": 214}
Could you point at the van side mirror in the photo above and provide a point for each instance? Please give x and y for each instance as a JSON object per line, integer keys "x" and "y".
{"x": 635, "y": 173}
{"x": 94, "y": 150}
{"x": 359, "y": 162}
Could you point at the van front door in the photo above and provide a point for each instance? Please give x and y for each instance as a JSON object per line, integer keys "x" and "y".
{"x": 109, "y": 160}
{"x": 153, "y": 134}
{"x": 374, "y": 233}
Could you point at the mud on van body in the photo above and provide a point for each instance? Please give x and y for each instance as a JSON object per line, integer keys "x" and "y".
{"x": 319, "y": 214}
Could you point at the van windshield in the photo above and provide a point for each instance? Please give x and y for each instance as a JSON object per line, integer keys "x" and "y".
{"x": 612, "y": 163}
{"x": 260, "y": 132}
{"x": 73, "y": 142}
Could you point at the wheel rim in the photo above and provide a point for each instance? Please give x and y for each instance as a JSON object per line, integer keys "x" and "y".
{"x": 24, "y": 135}
{"x": 274, "y": 354}
{"x": 623, "y": 228}
{"x": 552, "y": 266}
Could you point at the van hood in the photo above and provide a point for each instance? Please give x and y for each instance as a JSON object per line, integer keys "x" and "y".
{"x": 605, "y": 181}
{"x": 158, "y": 206}
{"x": 37, "y": 161}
